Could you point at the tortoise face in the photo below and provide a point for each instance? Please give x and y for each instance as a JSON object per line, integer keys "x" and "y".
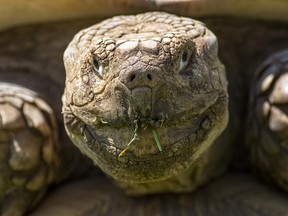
{"x": 145, "y": 95}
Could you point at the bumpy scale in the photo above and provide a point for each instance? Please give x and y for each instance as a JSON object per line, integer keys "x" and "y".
{"x": 28, "y": 150}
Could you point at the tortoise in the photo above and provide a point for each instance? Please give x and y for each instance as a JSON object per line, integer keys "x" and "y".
{"x": 146, "y": 99}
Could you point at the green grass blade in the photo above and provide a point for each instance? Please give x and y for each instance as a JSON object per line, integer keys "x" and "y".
{"x": 157, "y": 141}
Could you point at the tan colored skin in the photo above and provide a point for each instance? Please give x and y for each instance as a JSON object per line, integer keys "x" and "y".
{"x": 28, "y": 144}
{"x": 152, "y": 71}
{"x": 268, "y": 120}
{"x": 31, "y": 57}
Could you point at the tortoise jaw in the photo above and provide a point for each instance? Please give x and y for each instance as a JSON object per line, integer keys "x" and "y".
{"x": 141, "y": 143}
{"x": 182, "y": 143}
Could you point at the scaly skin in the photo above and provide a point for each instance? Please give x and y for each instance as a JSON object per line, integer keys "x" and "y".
{"x": 268, "y": 140}
{"x": 31, "y": 154}
{"x": 29, "y": 158}
{"x": 148, "y": 69}
{"x": 130, "y": 75}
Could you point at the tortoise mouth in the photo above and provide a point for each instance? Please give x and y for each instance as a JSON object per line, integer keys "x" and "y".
{"x": 131, "y": 155}
{"x": 148, "y": 142}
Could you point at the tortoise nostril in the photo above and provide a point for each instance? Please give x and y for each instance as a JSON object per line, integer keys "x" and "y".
{"x": 139, "y": 78}
{"x": 132, "y": 77}
{"x": 149, "y": 77}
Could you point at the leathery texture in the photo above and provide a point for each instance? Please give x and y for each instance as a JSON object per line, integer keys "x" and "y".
{"x": 28, "y": 151}
{"x": 131, "y": 76}
{"x": 269, "y": 119}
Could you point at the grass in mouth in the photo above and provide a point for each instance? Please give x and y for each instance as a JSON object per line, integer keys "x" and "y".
{"x": 134, "y": 137}
{"x": 131, "y": 141}
{"x": 157, "y": 140}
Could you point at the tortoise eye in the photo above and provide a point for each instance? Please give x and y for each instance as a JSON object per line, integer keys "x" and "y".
{"x": 184, "y": 59}
{"x": 97, "y": 66}
{"x": 185, "y": 55}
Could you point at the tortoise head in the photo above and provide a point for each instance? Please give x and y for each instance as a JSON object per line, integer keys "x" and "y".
{"x": 145, "y": 95}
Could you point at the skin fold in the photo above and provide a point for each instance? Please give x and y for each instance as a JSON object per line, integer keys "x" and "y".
{"x": 130, "y": 76}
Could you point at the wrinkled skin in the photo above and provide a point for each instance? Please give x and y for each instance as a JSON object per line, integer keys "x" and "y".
{"x": 34, "y": 154}
{"x": 128, "y": 76}
{"x": 268, "y": 142}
